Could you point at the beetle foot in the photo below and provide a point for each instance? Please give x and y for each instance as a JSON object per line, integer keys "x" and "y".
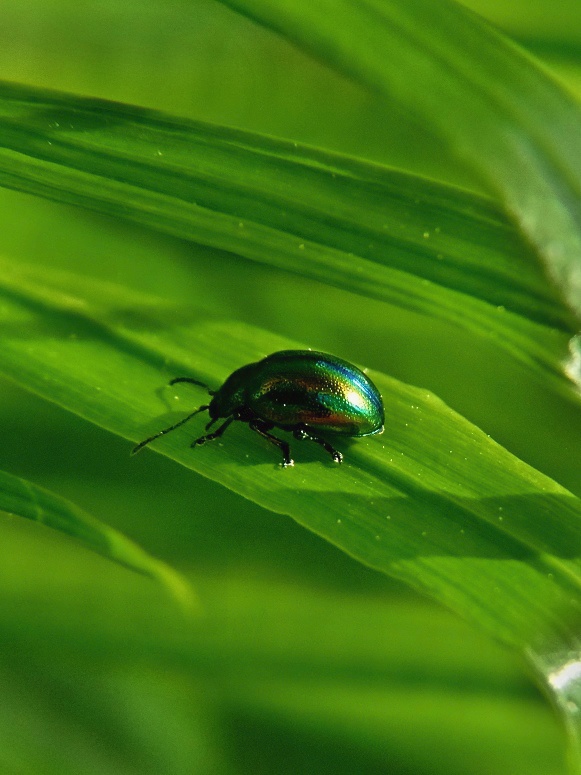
{"x": 287, "y": 463}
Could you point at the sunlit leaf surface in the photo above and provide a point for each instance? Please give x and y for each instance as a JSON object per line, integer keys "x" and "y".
{"x": 433, "y": 500}
{"x": 420, "y": 246}
{"x": 304, "y": 659}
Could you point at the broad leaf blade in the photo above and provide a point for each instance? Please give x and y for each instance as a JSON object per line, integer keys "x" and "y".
{"x": 433, "y": 500}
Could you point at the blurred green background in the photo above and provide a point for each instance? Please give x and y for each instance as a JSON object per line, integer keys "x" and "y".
{"x": 306, "y": 662}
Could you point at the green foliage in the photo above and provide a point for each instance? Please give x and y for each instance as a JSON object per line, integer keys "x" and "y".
{"x": 159, "y": 246}
{"x": 23, "y": 499}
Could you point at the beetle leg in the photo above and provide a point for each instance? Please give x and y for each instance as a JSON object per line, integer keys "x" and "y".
{"x": 262, "y": 428}
{"x": 215, "y": 434}
{"x": 304, "y": 433}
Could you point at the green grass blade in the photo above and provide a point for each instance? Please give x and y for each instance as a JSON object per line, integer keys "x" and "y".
{"x": 434, "y": 501}
{"x": 305, "y": 660}
{"x": 473, "y": 87}
{"x": 417, "y": 245}
{"x": 24, "y": 499}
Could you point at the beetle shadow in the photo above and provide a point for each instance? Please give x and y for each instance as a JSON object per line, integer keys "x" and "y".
{"x": 505, "y": 527}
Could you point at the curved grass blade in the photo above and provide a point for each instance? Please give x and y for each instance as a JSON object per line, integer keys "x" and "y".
{"x": 434, "y": 501}
{"x": 24, "y": 499}
{"x": 472, "y": 86}
{"x": 414, "y": 244}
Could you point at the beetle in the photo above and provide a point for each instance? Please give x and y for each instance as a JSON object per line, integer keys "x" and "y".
{"x": 301, "y": 391}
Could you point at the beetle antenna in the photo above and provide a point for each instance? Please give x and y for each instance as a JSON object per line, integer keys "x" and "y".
{"x": 144, "y": 443}
{"x": 192, "y": 382}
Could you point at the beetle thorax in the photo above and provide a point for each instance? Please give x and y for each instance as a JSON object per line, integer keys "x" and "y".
{"x": 232, "y": 395}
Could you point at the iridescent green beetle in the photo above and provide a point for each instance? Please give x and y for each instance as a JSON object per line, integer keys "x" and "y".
{"x": 300, "y": 391}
